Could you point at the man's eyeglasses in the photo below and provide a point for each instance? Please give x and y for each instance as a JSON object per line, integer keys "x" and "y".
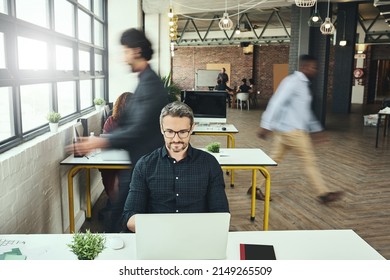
{"x": 169, "y": 133}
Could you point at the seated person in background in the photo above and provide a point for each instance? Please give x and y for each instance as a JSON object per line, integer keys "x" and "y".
{"x": 221, "y": 86}
{"x": 175, "y": 178}
{"x": 110, "y": 176}
{"x": 244, "y": 87}
{"x": 252, "y": 88}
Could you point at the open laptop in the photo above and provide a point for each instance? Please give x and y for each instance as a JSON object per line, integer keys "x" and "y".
{"x": 197, "y": 236}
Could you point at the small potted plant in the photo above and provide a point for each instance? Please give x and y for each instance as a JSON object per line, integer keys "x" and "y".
{"x": 53, "y": 118}
{"x": 99, "y": 103}
{"x": 87, "y": 246}
{"x": 213, "y": 147}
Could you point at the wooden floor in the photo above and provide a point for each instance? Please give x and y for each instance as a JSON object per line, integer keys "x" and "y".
{"x": 349, "y": 161}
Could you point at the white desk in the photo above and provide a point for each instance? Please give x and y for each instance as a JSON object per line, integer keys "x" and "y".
{"x": 218, "y": 129}
{"x": 88, "y": 162}
{"x": 249, "y": 159}
{"x": 229, "y": 159}
{"x": 288, "y": 245}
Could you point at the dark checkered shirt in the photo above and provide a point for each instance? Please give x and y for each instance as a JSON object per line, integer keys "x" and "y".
{"x": 160, "y": 184}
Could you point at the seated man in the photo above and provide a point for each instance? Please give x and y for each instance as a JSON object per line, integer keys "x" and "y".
{"x": 222, "y": 86}
{"x": 175, "y": 178}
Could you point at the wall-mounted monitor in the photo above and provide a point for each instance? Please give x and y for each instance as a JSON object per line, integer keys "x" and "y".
{"x": 208, "y": 106}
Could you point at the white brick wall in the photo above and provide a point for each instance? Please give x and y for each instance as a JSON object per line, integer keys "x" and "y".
{"x": 34, "y": 187}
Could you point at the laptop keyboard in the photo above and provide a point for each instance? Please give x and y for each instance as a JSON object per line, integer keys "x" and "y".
{"x": 7, "y": 242}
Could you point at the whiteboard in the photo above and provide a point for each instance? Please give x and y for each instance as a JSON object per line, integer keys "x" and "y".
{"x": 206, "y": 78}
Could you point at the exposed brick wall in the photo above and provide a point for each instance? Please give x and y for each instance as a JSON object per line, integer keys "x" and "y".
{"x": 258, "y": 65}
{"x": 189, "y": 59}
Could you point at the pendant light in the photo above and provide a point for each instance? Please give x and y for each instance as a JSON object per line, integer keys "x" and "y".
{"x": 225, "y": 23}
{"x": 327, "y": 28}
{"x": 305, "y": 3}
{"x": 315, "y": 20}
{"x": 238, "y": 31}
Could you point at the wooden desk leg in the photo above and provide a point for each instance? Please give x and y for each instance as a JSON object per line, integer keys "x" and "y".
{"x": 253, "y": 200}
{"x": 88, "y": 194}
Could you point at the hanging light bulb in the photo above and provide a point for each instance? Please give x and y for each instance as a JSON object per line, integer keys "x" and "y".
{"x": 225, "y": 23}
{"x": 305, "y": 3}
{"x": 315, "y": 20}
{"x": 170, "y": 14}
{"x": 327, "y": 28}
{"x": 238, "y": 31}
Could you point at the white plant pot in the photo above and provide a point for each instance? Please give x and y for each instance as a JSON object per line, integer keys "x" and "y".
{"x": 53, "y": 127}
{"x": 99, "y": 107}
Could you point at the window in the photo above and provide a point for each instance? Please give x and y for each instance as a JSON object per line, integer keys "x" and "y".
{"x": 32, "y": 54}
{"x": 64, "y": 17}
{"x": 6, "y": 128}
{"x": 33, "y": 11}
{"x": 2, "y": 51}
{"x": 4, "y": 8}
{"x": 53, "y": 56}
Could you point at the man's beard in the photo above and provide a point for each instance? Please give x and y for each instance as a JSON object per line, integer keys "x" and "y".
{"x": 177, "y": 147}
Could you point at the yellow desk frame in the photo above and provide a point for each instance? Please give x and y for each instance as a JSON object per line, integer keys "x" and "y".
{"x": 72, "y": 172}
{"x": 267, "y": 177}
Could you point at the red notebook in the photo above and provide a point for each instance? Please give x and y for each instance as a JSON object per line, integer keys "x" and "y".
{"x": 257, "y": 252}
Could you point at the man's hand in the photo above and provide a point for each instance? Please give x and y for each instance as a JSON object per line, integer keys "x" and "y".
{"x": 263, "y": 133}
{"x": 88, "y": 144}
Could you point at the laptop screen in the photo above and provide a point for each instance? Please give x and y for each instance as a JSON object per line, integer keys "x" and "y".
{"x": 197, "y": 236}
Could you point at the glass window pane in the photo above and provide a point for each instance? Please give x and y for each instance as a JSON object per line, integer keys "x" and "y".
{"x": 85, "y": 94}
{"x": 6, "y": 124}
{"x": 98, "y": 63}
{"x": 34, "y": 11}
{"x": 98, "y": 33}
{"x": 85, "y": 3}
{"x": 99, "y": 88}
{"x": 32, "y": 54}
{"x": 66, "y": 95}
{"x": 3, "y": 8}
{"x": 64, "y": 58}
{"x": 98, "y": 8}
{"x": 2, "y": 51}
{"x": 35, "y": 101}
{"x": 64, "y": 17}
{"x": 84, "y": 61}
{"x": 84, "y": 26}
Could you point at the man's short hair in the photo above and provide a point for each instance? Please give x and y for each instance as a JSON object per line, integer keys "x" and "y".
{"x": 134, "y": 38}
{"x": 305, "y": 58}
{"x": 177, "y": 109}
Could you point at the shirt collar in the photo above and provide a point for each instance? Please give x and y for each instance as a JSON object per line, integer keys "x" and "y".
{"x": 302, "y": 76}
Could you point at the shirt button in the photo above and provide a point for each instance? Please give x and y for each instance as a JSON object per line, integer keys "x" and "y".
{"x": 177, "y": 178}
{"x": 177, "y": 194}
{"x": 174, "y": 161}
{"x": 177, "y": 211}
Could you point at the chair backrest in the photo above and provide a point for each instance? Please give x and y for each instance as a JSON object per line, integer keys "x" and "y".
{"x": 243, "y": 96}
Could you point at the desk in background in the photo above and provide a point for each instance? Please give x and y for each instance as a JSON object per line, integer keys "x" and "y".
{"x": 288, "y": 245}
{"x": 216, "y": 129}
{"x": 386, "y": 123}
{"x": 90, "y": 162}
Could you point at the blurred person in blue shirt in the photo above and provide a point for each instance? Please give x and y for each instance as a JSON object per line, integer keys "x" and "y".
{"x": 289, "y": 115}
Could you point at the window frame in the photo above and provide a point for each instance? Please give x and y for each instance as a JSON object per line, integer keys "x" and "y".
{"x": 12, "y": 77}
